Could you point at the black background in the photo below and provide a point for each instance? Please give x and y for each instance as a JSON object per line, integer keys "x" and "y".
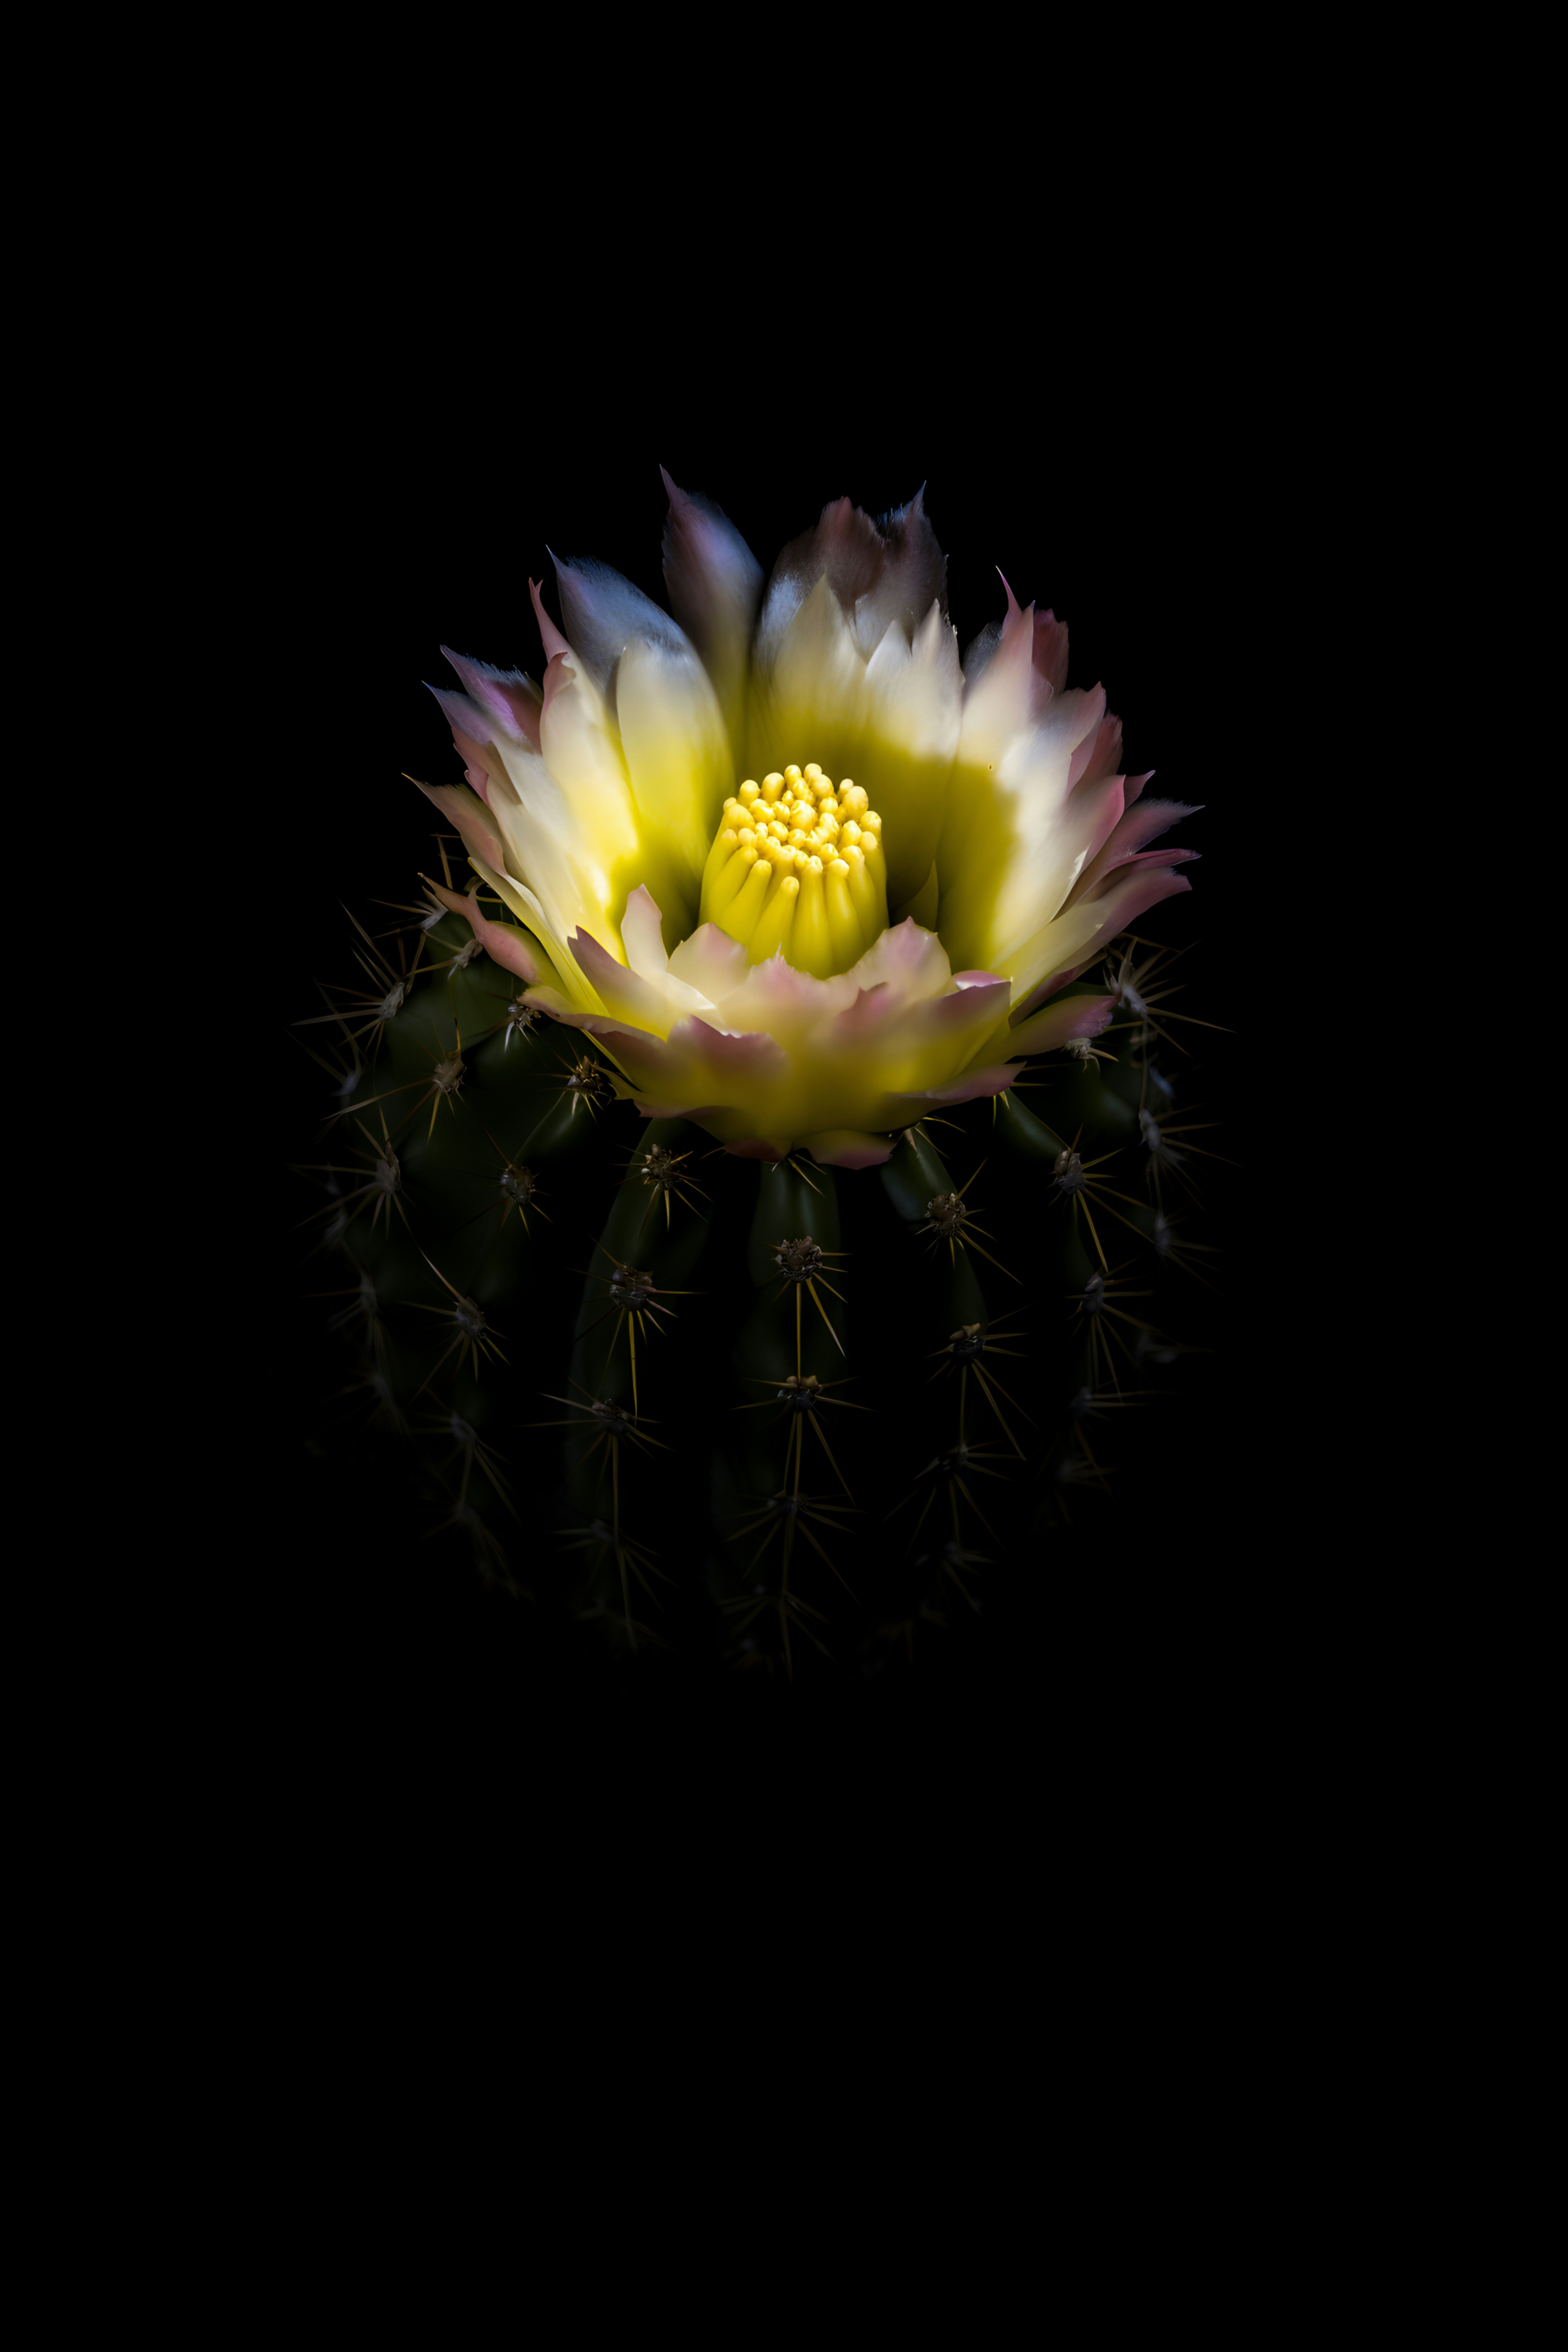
{"x": 1155, "y": 507}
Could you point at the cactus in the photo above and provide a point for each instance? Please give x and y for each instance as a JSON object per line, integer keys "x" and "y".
{"x": 795, "y": 1404}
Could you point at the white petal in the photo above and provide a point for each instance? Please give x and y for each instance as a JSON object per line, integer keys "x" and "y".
{"x": 715, "y": 585}
{"x": 605, "y": 613}
{"x": 1019, "y": 835}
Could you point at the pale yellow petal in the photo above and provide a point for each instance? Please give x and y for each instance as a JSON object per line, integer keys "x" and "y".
{"x": 676, "y": 753}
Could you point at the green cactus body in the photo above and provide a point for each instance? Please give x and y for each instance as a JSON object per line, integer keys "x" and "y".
{"x": 761, "y": 1412}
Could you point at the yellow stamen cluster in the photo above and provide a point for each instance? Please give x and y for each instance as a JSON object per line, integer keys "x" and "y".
{"x": 798, "y": 866}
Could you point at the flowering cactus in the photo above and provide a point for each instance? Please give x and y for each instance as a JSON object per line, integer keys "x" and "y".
{"x": 805, "y": 884}
{"x": 732, "y": 951}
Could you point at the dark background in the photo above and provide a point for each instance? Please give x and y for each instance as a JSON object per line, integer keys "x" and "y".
{"x": 1155, "y": 510}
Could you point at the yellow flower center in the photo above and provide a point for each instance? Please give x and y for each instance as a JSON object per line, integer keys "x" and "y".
{"x": 797, "y": 865}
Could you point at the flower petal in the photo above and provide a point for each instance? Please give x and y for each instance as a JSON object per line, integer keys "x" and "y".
{"x": 1146, "y": 823}
{"x": 582, "y": 745}
{"x": 762, "y": 1147}
{"x": 1059, "y": 951}
{"x": 473, "y": 728}
{"x": 715, "y": 585}
{"x": 847, "y": 1146}
{"x": 1103, "y": 756}
{"x": 1132, "y": 890}
{"x": 809, "y": 686}
{"x": 1017, "y": 834}
{"x": 555, "y": 643}
{"x": 994, "y": 1080}
{"x": 911, "y": 581}
{"x": 909, "y": 1046}
{"x": 643, "y": 989}
{"x": 712, "y": 962}
{"x": 508, "y": 698}
{"x": 605, "y": 613}
{"x": 881, "y": 572}
{"x": 623, "y": 993}
{"x": 999, "y": 698}
{"x": 512, "y": 950}
{"x": 1075, "y": 1016}
{"x": 570, "y": 878}
{"x": 1124, "y": 865}
{"x": 475, "y": 826}
{"x": 856, "y": 665}
{"x": 788, "y": 1004}
{"x": 1048, "y": 654}
{"x": 891, "y": 722}
{"x": 676, "y": 751}
{"x": 910, "y": 714}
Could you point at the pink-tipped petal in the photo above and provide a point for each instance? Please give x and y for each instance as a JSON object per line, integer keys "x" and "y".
{"x": 550, "y": 1000}
{"x": 715, "y": 585}
{"x": 647, "y": 1057}
{"x": 844, "y": 549}
{"x": 911, "y": 579}
{"x": 1104, "y": 754}
{"x": 471, "y": 818}
{"x": 857, "y": 1025}
{"x": 1146, "y": 823}
{"x": 1076, "y": 1017}
{"x": 1121, "y": 866}
{"x": 1132, "y": 891}
{"x": 970, "y": 1087}
{"x": 508, "y": 697}
{"x": 1097, "y": 810}
{"x": 1050, "y": 986}
{"x": 471, "y": 726}
{"x": 501, "y": 944}
{"x": 560, "y": 670}
{"x": 847, "y": 1146}
{"x": 882, "y": 571}
{"x": 1137, "y": 825}
{"x": 748, "y": 1054}
{"x": 619, "y": 990}
{"x": 910, "y": 957}
{"x": 1049, "y": 653}
{"x": 642, "y": 934}
{"x": 1089, "y": 715}
{"x": 476, "y": 759}
{"x": 555, "y": 643}
{"x": 967, "y": 1008}
{"x": 777, "y": 997}
{"x": 760, "y": 1147}
{"x": 1003, "y": 695}
{"x": 1036, "y": 639}
{"x": 712, "y": 962}
{"x": 605, "y": 613}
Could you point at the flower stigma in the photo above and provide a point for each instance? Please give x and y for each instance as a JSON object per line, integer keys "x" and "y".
{"x": 797, "y": 869}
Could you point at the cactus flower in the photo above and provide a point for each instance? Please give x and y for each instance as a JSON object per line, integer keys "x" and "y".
{"x": 801, "y": 873}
